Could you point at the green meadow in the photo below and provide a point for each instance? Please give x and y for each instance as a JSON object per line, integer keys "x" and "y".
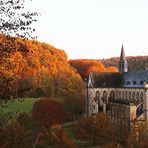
{"x": 19, "y": 106}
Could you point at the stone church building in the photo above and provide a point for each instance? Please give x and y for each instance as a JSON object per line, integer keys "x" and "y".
{"x": 122, "y": 95}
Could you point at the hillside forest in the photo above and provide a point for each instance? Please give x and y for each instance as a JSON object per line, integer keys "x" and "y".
{"x": 134, "y": 63}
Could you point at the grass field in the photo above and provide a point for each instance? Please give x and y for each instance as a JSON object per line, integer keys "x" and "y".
{"x": 19, "y": 106}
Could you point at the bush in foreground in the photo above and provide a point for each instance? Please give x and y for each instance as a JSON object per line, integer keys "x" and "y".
{"x": 14, "y": 136}
{"x": 47, "y": 112}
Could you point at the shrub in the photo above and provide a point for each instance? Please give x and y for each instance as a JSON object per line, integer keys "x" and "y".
{"x": 48, "y": 112}
{"x": 55, "y": 137}
{"x": 25, "y": 120}
{"x": 15, "y": 136}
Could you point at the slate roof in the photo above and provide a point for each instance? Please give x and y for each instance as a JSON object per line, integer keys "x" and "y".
{"x": 106, "y": 79}
{"x": 135, "y": 78}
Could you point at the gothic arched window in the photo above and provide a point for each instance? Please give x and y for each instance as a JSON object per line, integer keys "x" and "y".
{"x": 133, "y": 95}
{"x": 98, "y": 96}
{"x": 104, "y": 98}
{"x": 126, "y": 95}
{"x": 137, "y": 95}
{"x": 123, "y": 94}
{"x": 141, "y": 95}
{"x": 112, "y": 94}
{"x": 119, "y": 94}
{"x": 129, "y": 95}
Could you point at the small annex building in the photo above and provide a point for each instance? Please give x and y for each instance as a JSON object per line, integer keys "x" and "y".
{"x": 123, "y": 95}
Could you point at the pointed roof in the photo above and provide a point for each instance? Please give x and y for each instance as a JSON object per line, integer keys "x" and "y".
{"x": 122, "y": 55}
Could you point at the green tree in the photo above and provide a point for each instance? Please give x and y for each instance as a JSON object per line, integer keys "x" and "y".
{"x": 46, "y": 83}
{"x": 75, "y": 104}
{"x": 25, "y": 86}
{"x": 25, "y": 120}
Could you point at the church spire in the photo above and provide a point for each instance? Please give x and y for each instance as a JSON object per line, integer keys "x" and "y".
{"x": 123, "y": 66}
{"x": 122, "y": 55}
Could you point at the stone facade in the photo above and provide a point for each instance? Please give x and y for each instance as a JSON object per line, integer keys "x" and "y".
{"x": 99, "y": 96}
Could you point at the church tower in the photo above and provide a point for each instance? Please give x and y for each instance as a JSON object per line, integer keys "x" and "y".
{"x": 123, "y": 66}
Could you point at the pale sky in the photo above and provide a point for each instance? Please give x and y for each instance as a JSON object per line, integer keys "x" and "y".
{"x": 93, "y": 29}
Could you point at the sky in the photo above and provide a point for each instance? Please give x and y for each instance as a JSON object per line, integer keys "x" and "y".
{"x": 93, "y": 29}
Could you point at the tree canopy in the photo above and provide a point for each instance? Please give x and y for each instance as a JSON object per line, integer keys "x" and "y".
{"x": 96, "y": 127}
{"x": 29, "y": 66}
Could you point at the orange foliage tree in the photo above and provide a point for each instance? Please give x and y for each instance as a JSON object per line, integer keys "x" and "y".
{"x": 96, "y": 127}
{"x": 60, "y": 137}
{"x": 56, "y": 137}
{"x": 47, "y": 112}
{"x": 138, "y": 135}
{"x": 14, "y": 135}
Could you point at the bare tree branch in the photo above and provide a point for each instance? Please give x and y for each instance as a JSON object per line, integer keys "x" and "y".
{"x": 14, "y": 20}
